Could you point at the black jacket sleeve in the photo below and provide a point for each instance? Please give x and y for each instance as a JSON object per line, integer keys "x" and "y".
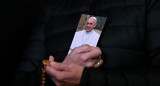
{"x": 146, "y": 76}
{"x": 28, "y": 72}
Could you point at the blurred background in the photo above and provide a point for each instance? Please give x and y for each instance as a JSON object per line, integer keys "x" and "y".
{"x": 17, "y": 21}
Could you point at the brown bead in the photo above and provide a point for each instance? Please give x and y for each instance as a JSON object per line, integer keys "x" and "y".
{"x": 42, "y": 75}
{"x": 43, "y": 82}
{"x": 43, "y": 71}
{"x": 42, "y": 68}
{"x": 46, "y": 62}
{"x": 43, "y": 78}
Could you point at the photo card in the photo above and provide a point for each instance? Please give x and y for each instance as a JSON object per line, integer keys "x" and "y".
{"x": 88, "y": 31}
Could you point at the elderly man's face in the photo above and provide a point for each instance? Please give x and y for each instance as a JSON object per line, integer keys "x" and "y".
{"x": 90, "y": 24}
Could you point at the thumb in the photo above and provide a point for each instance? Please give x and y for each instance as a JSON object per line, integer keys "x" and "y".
{"x": 59, "y": 66}
{"x": 51, "y": 58}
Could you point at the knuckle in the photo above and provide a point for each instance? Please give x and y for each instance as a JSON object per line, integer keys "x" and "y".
{"x": 83, "y": 58}
{"x": 86, "y": 46}
{"x": 99, "y": 50}
{"x": 74, "y": 50}
{"x": 89, "y": 64}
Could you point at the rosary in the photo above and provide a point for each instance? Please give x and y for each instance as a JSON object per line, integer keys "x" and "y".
{"x": 47, "y": 62}
{"x": 43, "y": 71}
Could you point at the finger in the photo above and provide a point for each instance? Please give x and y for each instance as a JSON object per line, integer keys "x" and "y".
{"x": 99, "y": 63}
{"x": 57, "y": 82}
{"x": 51, "y": 71}
{"x": 93, "y": 54}
{"x": 59, "y": 66}
{"x": 56, "y": 73}
{"x": 78, "y": 50}
{"x": 91, "y": 62}
{"x": 51, "y": 58}
{"x": 82, "y": 49}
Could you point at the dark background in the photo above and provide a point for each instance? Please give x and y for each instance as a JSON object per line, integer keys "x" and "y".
{"x": 18, "y": 18}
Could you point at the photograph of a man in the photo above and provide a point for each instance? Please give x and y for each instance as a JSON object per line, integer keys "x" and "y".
{"x": 88, "y": 35}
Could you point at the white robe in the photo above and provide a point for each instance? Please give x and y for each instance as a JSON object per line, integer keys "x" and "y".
{"x": 82, "y": 37}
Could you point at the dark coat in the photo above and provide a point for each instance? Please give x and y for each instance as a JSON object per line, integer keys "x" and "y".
{"x": 130, "y": 42}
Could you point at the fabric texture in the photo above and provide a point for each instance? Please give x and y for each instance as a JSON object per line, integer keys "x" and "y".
{"x": 129, "y": 42}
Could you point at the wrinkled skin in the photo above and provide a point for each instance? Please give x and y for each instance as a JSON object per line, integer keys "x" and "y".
{"x": 69, "y": 72}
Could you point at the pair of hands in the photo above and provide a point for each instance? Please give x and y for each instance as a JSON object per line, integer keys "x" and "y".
{"x": 69, "y": 72}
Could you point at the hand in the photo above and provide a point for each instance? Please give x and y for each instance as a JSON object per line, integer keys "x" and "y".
{"x": 64, "y": 74}
{"x": 69, "y": 72}
{"x": 84, "y": 55}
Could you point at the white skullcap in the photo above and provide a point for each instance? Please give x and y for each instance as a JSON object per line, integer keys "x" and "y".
{"x": 94, "y": 19}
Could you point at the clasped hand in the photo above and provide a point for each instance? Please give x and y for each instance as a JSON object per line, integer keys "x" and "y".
{"x": 69, "y": 72}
